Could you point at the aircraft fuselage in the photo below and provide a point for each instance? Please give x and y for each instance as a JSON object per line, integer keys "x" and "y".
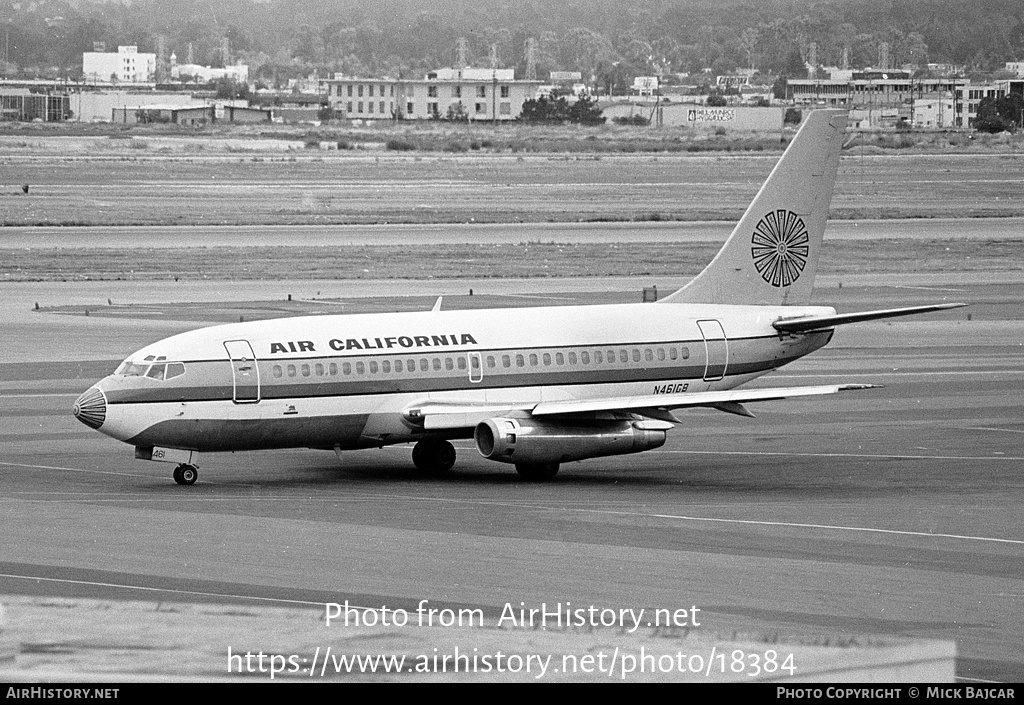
{"x": 345, "y": 381}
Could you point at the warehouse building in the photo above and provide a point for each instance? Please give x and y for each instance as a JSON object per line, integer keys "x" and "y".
{"x": 191, "y": 116}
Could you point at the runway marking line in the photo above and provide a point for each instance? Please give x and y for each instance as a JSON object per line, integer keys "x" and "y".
{"x": 170, "y": 590}
{"x": 937, "y": 373}
{"x": 987, "y": 428}
{"x": 812, "y": 526}
{"x": 891, "y": 456}
{"x": 51, "y": 467}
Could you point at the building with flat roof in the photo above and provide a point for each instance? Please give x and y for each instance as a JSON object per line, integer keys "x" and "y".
{"x": 967, "y": 98}
{"x": 465, "y": 94}
{"x": 204, "y": 74}
{"x": 867, "y": 91}
{"x": 192, "y": 116}
{"x": 876, "y": 95}
{"x": 128, "y": 65}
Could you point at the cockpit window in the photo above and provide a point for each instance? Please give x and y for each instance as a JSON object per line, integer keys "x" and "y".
{"x": 131, "y": 369}
{"x": 152, "y": 370}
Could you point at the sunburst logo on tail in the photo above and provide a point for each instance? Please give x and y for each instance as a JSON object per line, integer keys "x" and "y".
{"x": 780, "y": 246}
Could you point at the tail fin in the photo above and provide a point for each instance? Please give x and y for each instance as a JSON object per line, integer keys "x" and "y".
{"x": 772, "y": 254}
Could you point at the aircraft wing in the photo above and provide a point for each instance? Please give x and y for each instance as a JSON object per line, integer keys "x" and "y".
{"x": 441, "y": 415}
{"x": 730, "y": 400}
{"x": 806, "y": 323}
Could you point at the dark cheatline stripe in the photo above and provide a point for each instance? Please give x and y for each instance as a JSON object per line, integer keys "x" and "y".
{"x": 216, "y": 435}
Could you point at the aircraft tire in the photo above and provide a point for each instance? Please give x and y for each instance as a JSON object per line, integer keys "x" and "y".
{"x": 186, "y": 474}
{"x": 537, "y": 472}
{"x": 435, "y": 457}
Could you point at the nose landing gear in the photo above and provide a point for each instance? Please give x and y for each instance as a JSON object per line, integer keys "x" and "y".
{"x": 186, "y": 474}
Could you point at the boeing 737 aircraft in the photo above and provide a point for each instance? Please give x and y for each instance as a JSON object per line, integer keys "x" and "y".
{"x": 534, "y": 387}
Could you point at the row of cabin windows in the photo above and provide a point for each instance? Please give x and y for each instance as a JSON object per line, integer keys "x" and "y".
{"x": 507, "y": 360}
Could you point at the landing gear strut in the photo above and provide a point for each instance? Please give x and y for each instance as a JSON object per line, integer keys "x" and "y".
{"x": 537, "y": 472}
{"x": 186, "y": 474}
{"x": 433, "y": 456}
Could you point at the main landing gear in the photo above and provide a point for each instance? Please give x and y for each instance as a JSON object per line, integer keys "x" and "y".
{"x": 537, "y": 472}
{"x": 434, "y": 457}
{"x": 186, "y": 474}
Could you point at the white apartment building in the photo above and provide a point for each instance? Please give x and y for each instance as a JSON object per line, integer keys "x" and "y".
{"x": 128, "y": 65}
{"x": 474, "y": 94}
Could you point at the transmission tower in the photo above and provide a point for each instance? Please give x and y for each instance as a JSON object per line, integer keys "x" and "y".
{"x": 161, "y": 59}
{"x": 225, "y": 51}
{"x": 494, "y": 55}
{"x": 531, "y": 59}
{"x": 462, "y": 45}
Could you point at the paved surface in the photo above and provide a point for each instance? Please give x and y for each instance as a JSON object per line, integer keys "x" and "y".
{"x": 892, "y": 512}
{"x": 483, "y": 233}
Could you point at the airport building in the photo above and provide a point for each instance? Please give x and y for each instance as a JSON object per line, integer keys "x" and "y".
{"x": 25, "y": 106}
{"x": 465, "y": 94}
{"x": 126, "y": 66}
{"x": 238, "y": 73}
{"x": 935, "y": 112}
{"x": 967, "y": 99}
{"x": 869, "y": 90}
{"x": 191, "y": 116}
{"x": 946, "y": 102}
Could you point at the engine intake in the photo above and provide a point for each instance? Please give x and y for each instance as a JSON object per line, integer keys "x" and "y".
{"x": 528, "y": 441}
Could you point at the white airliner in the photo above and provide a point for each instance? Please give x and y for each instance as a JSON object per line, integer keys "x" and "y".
{"x": 534, "y": 387}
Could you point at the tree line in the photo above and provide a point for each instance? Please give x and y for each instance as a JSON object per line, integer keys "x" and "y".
{"x": 608, "y": 41}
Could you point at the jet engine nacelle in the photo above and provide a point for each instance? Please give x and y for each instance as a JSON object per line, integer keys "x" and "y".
{"x": 530, "y": 442}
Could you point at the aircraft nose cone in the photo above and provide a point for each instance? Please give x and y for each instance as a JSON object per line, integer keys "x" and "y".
{"x": 91, "y": 408}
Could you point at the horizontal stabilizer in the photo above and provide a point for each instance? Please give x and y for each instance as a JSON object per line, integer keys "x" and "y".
{"x": 806, "y": 323}
{"x": 729, "y": 400}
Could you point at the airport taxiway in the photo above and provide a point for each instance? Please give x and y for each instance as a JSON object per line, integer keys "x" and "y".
{"x": 893, "y": 511}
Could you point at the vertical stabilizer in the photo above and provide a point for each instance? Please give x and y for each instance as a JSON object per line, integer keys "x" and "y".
{"x": 772, "y": 254}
